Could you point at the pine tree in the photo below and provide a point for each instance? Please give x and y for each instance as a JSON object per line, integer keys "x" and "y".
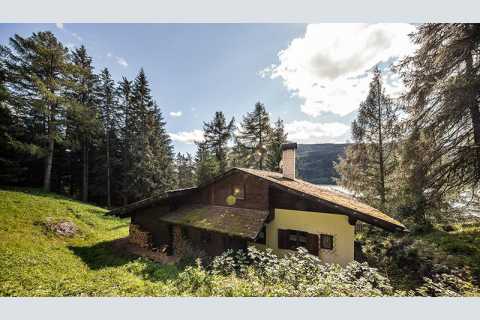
{"x": 217, "y": 134}
{"x": 142, "y": 102}
{"x": 416, "y": 196}
{"x": 207, "y": 166}
{"x": 109, "y": 115}
{"x": 124, "y": 93}
{"x": 151, "y": 148}
{"x": 254, "y": 136}
{"x": 443, "y": 98}
{"x": 185, "y": 171}
{"x": 39, "y": 71}
{"x": 82, "y": 121}
{"x": 3, "y": 89}
{"x": 274, "y": 150}
{"x": 373, "y": 152}
{"x": 162, "y": 154}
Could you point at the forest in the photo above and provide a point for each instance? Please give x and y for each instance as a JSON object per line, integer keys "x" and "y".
{"x": 74, "y": 131}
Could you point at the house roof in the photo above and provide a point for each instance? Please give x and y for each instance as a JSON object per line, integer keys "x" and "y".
{"x": 338, "y": 200}
{"x": 363, "y": 211}
{"x": 149, "y": 202}
{"x": 245, "y": 223}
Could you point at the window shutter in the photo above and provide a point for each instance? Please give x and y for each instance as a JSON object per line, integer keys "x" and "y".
{"x": 312, "y": 243}
{"x": 282, "y": 239}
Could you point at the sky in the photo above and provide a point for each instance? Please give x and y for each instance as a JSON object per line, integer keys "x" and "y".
{"x": 312, "y": 76}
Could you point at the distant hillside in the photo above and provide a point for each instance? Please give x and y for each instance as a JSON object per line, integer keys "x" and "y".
{"x": 315, "y": 161}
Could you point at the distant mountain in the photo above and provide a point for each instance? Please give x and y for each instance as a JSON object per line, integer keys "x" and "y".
{"x": 315, "y": 161}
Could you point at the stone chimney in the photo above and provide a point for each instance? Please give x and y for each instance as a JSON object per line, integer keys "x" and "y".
{"x": 288, "y": 160}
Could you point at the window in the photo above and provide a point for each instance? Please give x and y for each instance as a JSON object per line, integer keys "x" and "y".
{"x": 292, "y": 239}
{"x": 326, "y": 241}
{"x": 262, "y": 236}
{"x": 238, "y": 191}
{"x": 297, "y": 239}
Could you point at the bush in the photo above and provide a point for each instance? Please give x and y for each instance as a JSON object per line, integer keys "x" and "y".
{"x": 447, "y": 285}
{"x": 299, "y": 274}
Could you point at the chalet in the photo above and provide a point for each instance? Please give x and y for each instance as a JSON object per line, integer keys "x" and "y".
{"x": 245, "y": 206}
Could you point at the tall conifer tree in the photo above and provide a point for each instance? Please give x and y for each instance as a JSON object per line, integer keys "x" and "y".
{"x": 206, "y": 164}
{"x": 274, "y": 150}
{"x": 217, "y": 134}
{"x": 443, "y": 98}
{"x": 370, "y": 161}
{"x": 252, "y": 141}
{"x": 110, "y": 117}
{"x": 83, "y": 125}
{"x": 39, "y": 78}
{"x": 124, "y": 92}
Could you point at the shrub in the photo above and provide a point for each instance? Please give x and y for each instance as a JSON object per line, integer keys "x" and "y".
{"x": 298, "y": 274}
{"x": 447, "y": 285}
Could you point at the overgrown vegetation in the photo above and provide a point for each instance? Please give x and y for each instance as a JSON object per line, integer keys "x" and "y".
{"x": 434, "y": 260}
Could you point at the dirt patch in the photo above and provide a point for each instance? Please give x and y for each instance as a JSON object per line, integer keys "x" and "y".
{"x": 124, "y": 246}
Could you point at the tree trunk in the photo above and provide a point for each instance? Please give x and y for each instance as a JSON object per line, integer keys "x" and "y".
{"x": 125, "y": 175}
{"x": 85, "y": 171}
{"x": 49, "y": 158}
{"x": 109, "y": 201}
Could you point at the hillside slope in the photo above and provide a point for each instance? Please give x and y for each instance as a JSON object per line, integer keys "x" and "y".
{"x": 315, "y": 161}
{"x": 37, "y": 262}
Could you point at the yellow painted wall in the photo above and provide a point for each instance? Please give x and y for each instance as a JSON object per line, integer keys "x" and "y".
{"x": 316, "y": 223}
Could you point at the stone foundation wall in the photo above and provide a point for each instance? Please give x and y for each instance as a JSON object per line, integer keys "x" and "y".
{"x": 139, "y": 237}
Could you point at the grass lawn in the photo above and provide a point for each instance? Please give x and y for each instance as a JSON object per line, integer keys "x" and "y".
{"x": 36, "y": 262}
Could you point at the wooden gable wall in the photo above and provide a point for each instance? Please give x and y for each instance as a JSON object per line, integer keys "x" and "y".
{"x": 255, "y": 189}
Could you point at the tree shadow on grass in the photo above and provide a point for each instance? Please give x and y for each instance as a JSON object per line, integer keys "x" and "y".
{"x": 120, "y": 252}
{"x": 104, "y": 254}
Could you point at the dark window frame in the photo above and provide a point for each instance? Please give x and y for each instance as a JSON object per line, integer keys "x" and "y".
{"x": 326, "y": 241}
{"x": 298, "y": 235}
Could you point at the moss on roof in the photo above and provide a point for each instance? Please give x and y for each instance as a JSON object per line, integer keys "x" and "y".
{"x": 245, "y": 223}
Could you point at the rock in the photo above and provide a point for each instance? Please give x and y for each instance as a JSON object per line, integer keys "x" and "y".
{"x": 62, "y": 228}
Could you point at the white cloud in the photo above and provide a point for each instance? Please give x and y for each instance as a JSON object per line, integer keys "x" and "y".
{"x": 109, "y": 54}
{"x": 59, "y": 25}
{"x": 329, "y": 66}
{"x": 121, "y": 61}
{"x": 315, "y": 132}
{"x": 188, "y": 137}
{"x": 176, "y": 114}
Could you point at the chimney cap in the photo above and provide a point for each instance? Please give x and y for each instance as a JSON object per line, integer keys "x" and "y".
{"x": 287, "y": 146}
